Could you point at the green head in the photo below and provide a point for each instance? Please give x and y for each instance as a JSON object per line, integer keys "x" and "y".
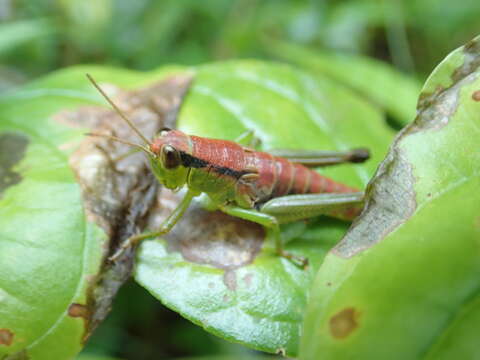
{"x": 167, "y": 152}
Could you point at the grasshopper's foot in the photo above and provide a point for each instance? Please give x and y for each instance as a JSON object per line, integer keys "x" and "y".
{"x": 300, "y": 261}
{"x": 130, "y": 242}
{"x": 133, "y": 241}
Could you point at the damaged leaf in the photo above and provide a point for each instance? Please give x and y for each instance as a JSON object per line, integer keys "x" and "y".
{"x": 222, "y": 273}
{"x": 52, "y": 243}
{"x": 12, "y": 150}
{"x": 79, "y": 197}
{"x": 410, "y": 264}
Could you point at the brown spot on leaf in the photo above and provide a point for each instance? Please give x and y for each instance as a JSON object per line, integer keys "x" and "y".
{"x": 248, "y": 279}
{"x": 436, "y": 108}
{"x": 476, "y": 95}
{"x": 343, "y": 323}
{"x": 390, "y": 201}
{"x": 79, "y": 310}
{"x": 226, "y": 298}
{"x": 477, "y": 222}
{"x": 329, "y": 283}
{"x": 217, "y": 239}
{"x": 471, "y": 62}
{"x": 211, "y": 237}
{"x": 20, "y": 355}
{"x": 230, "y": 280}
{"x": 12, "y": 150}
{"x": 84, "y": 312}
{"x": 6, "y": 337}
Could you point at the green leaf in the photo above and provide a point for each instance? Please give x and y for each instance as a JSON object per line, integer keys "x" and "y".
{"x": 204, "y": 268}
{"x": 392, "y": 91}
{"x": 17, "y": 33}
{"x": 50, "y": 253}
{"x": 403, "y": 283}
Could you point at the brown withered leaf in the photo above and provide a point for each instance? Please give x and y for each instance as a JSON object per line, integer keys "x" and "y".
{"x": 118, "y": 187}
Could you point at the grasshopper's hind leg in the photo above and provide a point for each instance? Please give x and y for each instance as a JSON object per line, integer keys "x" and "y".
{"x": 269, "y": 222}
{"x": 345, "y": 206}
{"x": 297, "y": 207}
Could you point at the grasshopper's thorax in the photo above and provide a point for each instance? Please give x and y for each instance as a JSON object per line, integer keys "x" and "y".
{"x": 200, "y": 163}
{"x": 168, "y": 150}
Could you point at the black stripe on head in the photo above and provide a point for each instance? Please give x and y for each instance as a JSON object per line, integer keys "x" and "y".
{"x": 190, "y": 161}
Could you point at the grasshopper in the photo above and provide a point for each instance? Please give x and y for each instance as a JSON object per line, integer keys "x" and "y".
{"x": 265, "y": 188}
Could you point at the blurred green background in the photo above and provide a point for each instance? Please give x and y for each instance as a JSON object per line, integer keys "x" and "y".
{"x": 40, "y": 36}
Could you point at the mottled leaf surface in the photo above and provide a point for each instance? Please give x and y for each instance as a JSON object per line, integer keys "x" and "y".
{"x": 50, "y": 253}
{"x": 218, "y": 272}
{"x": 221, "y": 274}
{"x": 404, "y": 281}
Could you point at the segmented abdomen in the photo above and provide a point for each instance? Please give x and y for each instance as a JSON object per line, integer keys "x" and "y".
{"x": 278, "y": 177}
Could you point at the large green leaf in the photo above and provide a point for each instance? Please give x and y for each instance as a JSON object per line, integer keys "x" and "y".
{"x": 403, "y": 283}
{"x": 50, "y": 253}
{"x": 219, "y": 279}
{"x": 392, "y": 91}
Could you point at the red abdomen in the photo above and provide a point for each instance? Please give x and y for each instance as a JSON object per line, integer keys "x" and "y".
{"x": 279, "y": 177}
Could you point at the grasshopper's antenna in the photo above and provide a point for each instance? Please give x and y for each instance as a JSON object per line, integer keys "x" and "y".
{"x": 133, "y": 127}
{"x": 138, "y": 146}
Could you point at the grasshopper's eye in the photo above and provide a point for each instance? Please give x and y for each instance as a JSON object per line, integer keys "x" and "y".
{"x": 170, "y": 157}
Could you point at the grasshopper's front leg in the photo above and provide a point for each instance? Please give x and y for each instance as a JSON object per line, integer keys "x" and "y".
{"x": 165, "y": 227}
{"x": 297, "y": 207}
